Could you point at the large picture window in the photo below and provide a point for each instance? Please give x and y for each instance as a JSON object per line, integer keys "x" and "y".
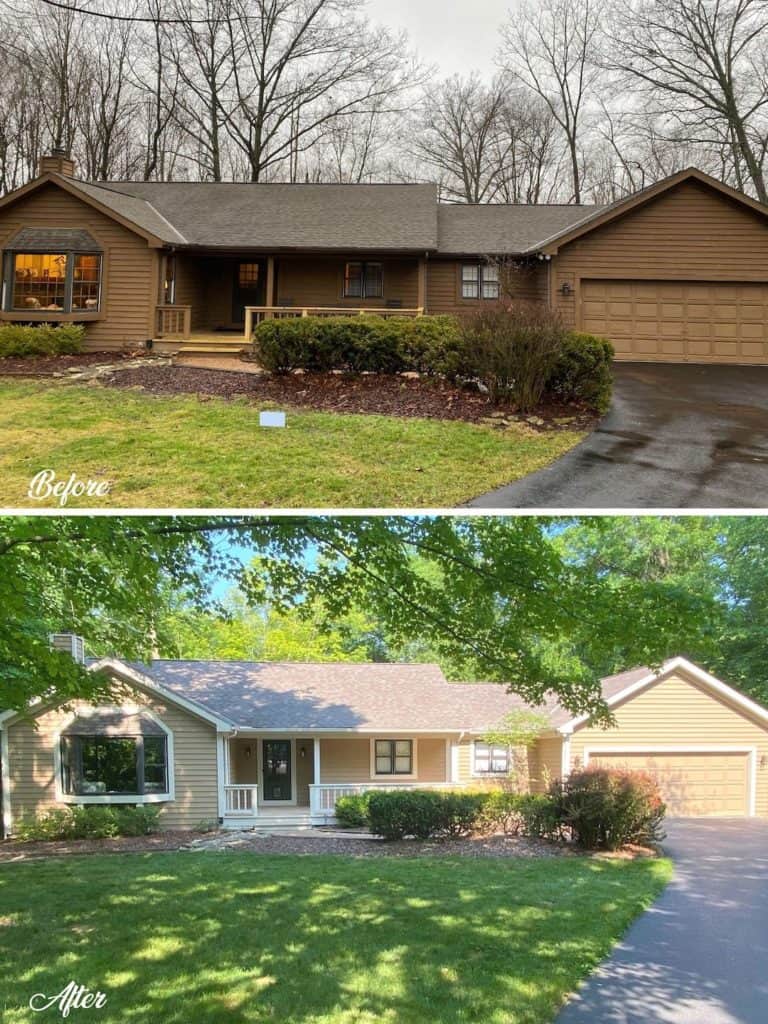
{"x": 479, "y": 281}
{"x": 363, "y": 281}
{"x": 114, "y": 765}
{"x": 64, "y": 282}
{"x": 394, "y": 757}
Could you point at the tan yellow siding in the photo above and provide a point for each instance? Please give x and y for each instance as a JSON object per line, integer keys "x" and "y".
{"x": 688, "y": 234}
{"x": 679, "y": 712}
{"x": 130, "y": 267}
{"x": 548, "y": 763}
{"x": 32, "y": 763}
{"x": 304, "y": 770}
{"x": 349, "y": 760}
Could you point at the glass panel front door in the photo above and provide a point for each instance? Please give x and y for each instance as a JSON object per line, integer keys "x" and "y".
{"x": 248, "y": 288}
{"x": 277, "y": 770}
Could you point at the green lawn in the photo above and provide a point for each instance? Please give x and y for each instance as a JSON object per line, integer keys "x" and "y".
{"x": 181, "y": 452}
{"x": 196, "y": 938}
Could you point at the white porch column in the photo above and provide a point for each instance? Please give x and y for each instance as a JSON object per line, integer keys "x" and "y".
{"x": 222, "y": 770}
{"x": 316, "y": 752}
{"x": 454, "y": 763}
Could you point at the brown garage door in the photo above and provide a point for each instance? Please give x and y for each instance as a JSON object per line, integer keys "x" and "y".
{"x": 679, "y": 321}
{"x": 692, "y": 784}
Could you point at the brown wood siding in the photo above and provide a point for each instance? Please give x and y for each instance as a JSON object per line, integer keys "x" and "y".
{"x": 444, "y": 287}
{"x": 319, "y": 281}
{"x": 32, "y": 763}
{"x": 678, "y": 712}
{"x": 130, "y": 267}
{"x": 192, "y": 289}
{"x": 688, "y": 234}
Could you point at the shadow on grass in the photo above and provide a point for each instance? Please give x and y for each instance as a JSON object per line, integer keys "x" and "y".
{"x": 187, "y": 937}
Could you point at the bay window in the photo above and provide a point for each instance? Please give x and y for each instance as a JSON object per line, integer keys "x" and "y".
{"x": 52, "y": 270}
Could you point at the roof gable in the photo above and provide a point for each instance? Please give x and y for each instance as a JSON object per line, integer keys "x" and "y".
{"x": 605, "y": 215}
{"x": 628, "y": 685}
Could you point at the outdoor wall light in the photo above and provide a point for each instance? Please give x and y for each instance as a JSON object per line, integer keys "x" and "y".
{"x": 247, "y": 752}
{"x": 764, "y": 761}
{"x": 302, "y": 751}
{"x": 565, "y": 288}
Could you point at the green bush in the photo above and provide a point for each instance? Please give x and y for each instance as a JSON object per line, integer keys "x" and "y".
{"x": 360, "y": 344}
{"x": 514, "y": 347}
{"x": 90, "y": 821}
{"x": 606, "y": 808}
{"x": 395, "y": 814}
{"x": 460, "y": 813}
{"x": 352, "y": 811}
{"x": 41, "y": 339}
{"x": 582, "y": 371}
{"x": 540, "y": 816}
{"x": 501, "y": 812}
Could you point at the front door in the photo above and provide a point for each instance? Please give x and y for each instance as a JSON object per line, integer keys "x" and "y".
{"x": 248, "y": 287}
{"x": 277, "y": 771}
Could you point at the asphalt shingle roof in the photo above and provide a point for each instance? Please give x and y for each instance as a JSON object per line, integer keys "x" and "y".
{"x": 397, "y": 697}
{"x": 495, "y": 229}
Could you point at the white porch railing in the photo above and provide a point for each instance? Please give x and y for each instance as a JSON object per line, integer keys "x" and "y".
{"x": 241, "y": 800}
{"x": 255, "y": 314}
{"x": 323, "y": 797}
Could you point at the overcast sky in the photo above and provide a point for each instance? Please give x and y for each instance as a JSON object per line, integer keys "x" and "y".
{"x": 458, "y": 36}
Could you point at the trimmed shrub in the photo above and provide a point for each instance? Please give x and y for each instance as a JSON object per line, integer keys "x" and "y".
{"x": 460, "y": 813}
{"x": 41, "y": 339}
{"x": 352, "y": 811}
{"x": 606, "y": 808}
{"x": 501, "y": 812}
{"x": 582, "y": 371}
{"x": 360, "y": 344}
{"x": 396, "y": 814}
{"x": 90, "y": 821}
{"x": 514, "y": 348}
{"x": 540, "y": 815}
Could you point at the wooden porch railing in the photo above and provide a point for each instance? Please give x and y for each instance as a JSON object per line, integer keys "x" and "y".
{"x": 255, "y": 314}
{"x": 323, "y": 797}
{"x": 241, "y": 800}
{"x": 174, "y": 321}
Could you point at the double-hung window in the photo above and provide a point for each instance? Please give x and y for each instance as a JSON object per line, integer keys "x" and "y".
{"x": 491, "y": 759}
{"x": 363, "y": 280}
{"x": 394, "y": 757}
{"x": 479, "y": 281}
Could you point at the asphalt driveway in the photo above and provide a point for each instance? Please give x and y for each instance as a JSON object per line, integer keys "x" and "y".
{"x": 677, "y": 436}
{"x": 700, "y": 954}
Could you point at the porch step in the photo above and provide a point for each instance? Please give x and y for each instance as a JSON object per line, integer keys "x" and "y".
{"x": 213, "y": 348}
{"x": 269, "y": 823}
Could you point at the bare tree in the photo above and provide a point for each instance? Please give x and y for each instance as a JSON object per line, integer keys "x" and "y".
{"x": 528, "y": 152}
{"x": 551, "y": 45}
{"x": 702, "y": 63}
{"x": 455, "y": 137}
{"x": 298, "y": 67}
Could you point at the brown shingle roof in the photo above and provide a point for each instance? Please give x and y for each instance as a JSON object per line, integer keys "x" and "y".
{"x": 398, "y": 697}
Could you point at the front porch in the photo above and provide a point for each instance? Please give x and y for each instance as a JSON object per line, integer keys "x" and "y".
{"x": 212, "y": 302}
{"x": 295, "y": 781}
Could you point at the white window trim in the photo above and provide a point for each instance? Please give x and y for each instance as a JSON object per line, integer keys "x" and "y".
{"x": 121, "y": 798}
{"x": 686, "y": 749}
{"x": 388, "y": 776}
{"x": 489, "y": 775}
{"x": 5, "y": 771}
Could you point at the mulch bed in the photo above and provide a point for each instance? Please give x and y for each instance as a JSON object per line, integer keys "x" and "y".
{"x": 310, "y": 844}
{"x": 45, "y": 366}
{"x": 338, "y": 393}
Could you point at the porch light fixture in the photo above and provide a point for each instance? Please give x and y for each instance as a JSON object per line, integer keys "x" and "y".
{"x": 302, "y": 751}
{"x": 565, "y": 288}
{"x": 764, "y": 761}
{"x": 247, "y": 751}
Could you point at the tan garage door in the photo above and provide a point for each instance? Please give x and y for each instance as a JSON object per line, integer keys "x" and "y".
{"x": 679, "y": 321}
{"x": 693, "y": 784}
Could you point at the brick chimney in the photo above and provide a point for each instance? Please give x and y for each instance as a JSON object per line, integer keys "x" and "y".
{"x": 57, "y": 161}
{"x": 69, "y": 643}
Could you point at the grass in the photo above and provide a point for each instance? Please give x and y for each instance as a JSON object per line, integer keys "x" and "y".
{"x": 181, "y": 452}
{"x": 241, "y": 938}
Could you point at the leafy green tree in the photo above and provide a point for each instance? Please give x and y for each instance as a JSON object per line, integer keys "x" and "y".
{"x": 495, "y": 597}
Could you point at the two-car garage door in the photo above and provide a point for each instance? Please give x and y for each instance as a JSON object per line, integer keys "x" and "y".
{"x": 693, "y": 783}
{"x": 679, "y": 321}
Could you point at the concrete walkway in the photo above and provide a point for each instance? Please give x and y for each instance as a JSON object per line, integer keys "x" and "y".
{"x": 700, "y": 954}
{"x": 677, "y": 436}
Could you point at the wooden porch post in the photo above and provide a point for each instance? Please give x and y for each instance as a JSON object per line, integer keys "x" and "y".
{"x": 316, "y": 752}
{"x": 422, "y": 293}
{"x": 270, "y": 282}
